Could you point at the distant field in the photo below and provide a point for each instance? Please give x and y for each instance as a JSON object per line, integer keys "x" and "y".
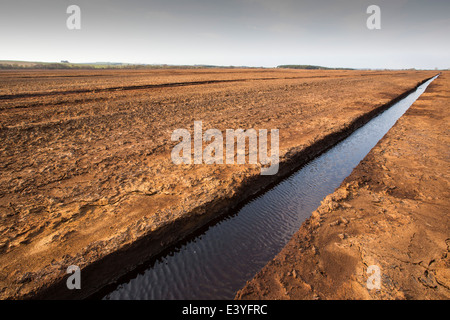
{"x": 24, "y": 65}
{"x": 12, "y": 65}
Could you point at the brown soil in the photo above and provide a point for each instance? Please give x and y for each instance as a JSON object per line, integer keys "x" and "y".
{"x": 86, "y": 176}
{"x": 392, "y": 211}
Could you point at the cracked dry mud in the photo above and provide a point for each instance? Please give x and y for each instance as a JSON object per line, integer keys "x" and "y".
{"x": 85, "y": 171}
{"x": 392, "y": 211}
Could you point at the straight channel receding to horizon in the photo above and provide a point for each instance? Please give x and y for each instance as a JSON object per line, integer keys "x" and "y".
{"x": 260, "y": 233}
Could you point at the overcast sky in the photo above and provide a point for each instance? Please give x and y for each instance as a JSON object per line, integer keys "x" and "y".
{"x": 414, "y": 33}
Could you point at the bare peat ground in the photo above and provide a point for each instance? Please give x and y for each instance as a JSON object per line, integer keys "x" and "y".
{"x": 392, "y": 211}
{"x": 86, "y": 176}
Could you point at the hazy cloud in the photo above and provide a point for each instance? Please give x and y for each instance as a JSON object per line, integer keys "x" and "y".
{"x": 232, "y": 32}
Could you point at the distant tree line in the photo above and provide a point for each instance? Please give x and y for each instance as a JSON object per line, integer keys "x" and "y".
{"x": 309, "y": 67}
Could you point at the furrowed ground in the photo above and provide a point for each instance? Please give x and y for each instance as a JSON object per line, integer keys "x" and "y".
{"x": 85, "y": 166}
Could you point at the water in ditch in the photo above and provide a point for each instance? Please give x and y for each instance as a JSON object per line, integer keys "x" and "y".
{"x": 217, "y": 263}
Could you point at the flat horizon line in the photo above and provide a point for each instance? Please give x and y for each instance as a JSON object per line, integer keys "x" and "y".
{"x": 162, "y": 65}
